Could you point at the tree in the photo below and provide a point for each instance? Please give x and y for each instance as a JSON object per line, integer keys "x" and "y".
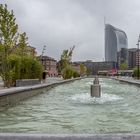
{"x": 75, "y": 74}
{"x": 89, "y": 71}
{"x": 16, "y": 63}
{"x": 64, "y": 59}
{"x": 67, "y": 72}
{"x": 123, "y": 66}
{"x": 135, "y": 72}
{"x": 8, "y": 40}
{"x": 22, "y": 45}
{"x": 83, "y": 69}
{"x": 15, "y": 67}
{"x": 23, "y": 68}
{"x": 64, "y": 65}
{"x": 30, "y": 68}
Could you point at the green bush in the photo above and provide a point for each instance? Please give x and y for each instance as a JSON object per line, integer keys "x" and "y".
{"x": 67, "y": 73}
{"x": 23, "y": 68}
{"x": 36, "y": 69}
{"x": 76, "y": 74}
{"x": 30, "y": 68}
{"x": 14, "y": 62}
{"x": 135, "y": 72}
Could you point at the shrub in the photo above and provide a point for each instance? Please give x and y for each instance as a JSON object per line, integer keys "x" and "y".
{"x": 67, "y": 73}
{"x": 14, "y": 62}
{"x": 30, "y": 68}
{"x": 23, "y": 68}
{"x": 76, "y": 74}
{"x": 135, "y": 72}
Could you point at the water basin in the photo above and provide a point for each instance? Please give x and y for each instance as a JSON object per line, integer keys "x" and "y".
{"x": 70, "y": 109}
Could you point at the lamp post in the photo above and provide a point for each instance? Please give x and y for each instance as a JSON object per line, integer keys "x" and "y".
{"x": 138, "y": 67}
{"x": 43, "y": 50}
{"x": 43, "y": 64}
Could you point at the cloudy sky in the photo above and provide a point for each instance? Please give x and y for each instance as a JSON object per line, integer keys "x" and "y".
{"x": 60, "y": 24}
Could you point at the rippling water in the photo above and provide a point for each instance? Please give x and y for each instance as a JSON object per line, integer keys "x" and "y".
{"x": 70, "y": 109}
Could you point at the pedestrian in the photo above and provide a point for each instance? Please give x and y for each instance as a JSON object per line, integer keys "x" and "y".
{"x": 44, "y": 77}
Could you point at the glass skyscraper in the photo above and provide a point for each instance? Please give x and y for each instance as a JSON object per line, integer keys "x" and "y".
{"x": 116, "y": 45}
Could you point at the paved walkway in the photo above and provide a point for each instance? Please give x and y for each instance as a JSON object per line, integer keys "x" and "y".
{"x": 49, "y": 80}
{"x": 129, "y": 80}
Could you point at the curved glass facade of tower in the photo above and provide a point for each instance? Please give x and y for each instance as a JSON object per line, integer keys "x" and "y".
{"x": 116, "y": 44}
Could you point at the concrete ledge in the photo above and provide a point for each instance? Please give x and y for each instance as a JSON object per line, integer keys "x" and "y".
{"x": 128, "y": 81}
{"x": 12, "y": 96}
{"x": 70, "y": 137}
{"x": 27, "y": 82}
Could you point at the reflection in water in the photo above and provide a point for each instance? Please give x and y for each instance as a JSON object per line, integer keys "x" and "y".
{"x": 70, "y": 109}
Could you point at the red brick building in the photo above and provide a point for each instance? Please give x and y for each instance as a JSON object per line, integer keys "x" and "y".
{"x": 49, "y": 64}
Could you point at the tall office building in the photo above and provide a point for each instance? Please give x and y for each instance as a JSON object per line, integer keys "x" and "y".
{"x": 116, "y": 45}
{"x": 133, "y": 57}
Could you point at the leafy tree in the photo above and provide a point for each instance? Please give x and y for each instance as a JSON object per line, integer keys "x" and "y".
{"x": 67, "y": 54}
{"x": 65, "y": 59}
{"x": 64, "y": 65}
{"x": 36, "y": 69}
{"x": 23, "y": 68}
{"x": 67, "y": 72}
{"x": 30, "y": 68}
{"x": 135, "y": 72}
{"x": 89, "y": 71}
{"x": 15, "y": 65}
{"x": 123, "y": 66}
{"x": 22, "y": 45}
{"x": 15, "y": 61}
{"x": 8, "y": 40}
{"x": 75, "y": 74}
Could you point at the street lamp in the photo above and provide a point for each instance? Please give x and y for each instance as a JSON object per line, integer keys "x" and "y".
{"x": 43, "y": 64}
{"x": 138, "y": 67}
{"x": 43, "y": 50}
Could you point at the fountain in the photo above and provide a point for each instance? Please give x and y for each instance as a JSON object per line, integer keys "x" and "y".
{"x": 96, "y": 88}
{"x": 70, "y": 109}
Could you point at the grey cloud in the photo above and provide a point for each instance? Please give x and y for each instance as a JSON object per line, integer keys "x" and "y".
{"x": 60, "y": 24}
